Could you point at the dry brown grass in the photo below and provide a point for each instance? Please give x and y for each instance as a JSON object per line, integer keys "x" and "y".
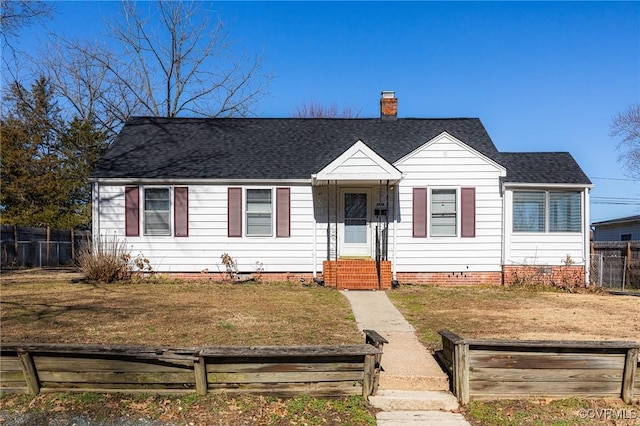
{"x": 45, "y": 307}
{"x": 513, "y": 313}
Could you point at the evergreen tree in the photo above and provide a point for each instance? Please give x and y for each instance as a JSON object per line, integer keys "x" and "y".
{"x": 45, "y": 163}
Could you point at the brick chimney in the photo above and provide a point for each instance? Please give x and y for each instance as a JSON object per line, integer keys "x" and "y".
{"x": 388, "y": 106}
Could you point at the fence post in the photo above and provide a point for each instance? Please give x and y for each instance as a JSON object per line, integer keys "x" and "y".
{"x": 15, "y": 242}
{"x": 200, "y": 370}
{"x": 630, "y": 367}
{"x": 30, "y": 373}
{"x": 73, "y": 245}
{"x": 601, "y": 268}
{"x": 461, "y": 371}
{"x": 48, "y": 245}
{"x": 627, "y": 269}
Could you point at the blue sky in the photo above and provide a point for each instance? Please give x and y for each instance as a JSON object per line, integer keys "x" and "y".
{"x": 543, "y": 76}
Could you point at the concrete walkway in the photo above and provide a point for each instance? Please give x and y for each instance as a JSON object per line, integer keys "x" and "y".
{"x": 413, "y": 388}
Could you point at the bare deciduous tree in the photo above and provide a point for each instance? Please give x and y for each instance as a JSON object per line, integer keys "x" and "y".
{"x": 313, "y": 109}
{"x": 627, "y": 126}
{"x": 18, "y": 14}
{"x": 162, "y": 59}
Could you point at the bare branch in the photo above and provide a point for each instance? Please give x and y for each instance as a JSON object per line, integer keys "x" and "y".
{"x": 627, "y": 126}
{"x": 313, "y": 109}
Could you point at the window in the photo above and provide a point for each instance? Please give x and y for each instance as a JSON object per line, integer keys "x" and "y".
{"x": 546, "y": 211}
{"x": 528, "y": 211}
{"x": 157, "y": 211}
{"x": 625, "y": 237}
{"x": 259, "y": 211}
{"x": 440, "y": 214}
{"x": 564, "y": 212}
{"x": 443, "y": 213}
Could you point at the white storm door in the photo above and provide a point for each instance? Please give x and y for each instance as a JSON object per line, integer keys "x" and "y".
{"x": 356, "y": 216}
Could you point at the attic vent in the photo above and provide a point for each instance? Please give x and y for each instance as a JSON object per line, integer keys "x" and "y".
{"x": 388, "y": 106}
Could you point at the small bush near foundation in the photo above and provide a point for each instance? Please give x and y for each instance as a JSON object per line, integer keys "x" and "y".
{"x": 105, "y": 260}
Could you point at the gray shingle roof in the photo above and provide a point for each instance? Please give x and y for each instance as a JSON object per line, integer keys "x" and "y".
{"x": 290, "y": 148}
{"x": 542, "y": 167}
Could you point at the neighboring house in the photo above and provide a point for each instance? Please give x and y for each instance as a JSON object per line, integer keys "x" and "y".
{"x": 358, "y": 203}
{"x": 622, "y": 229}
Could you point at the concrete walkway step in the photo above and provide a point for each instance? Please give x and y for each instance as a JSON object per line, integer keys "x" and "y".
{"x": 403, "y": 400}
{"x": 420, "y": 418}
{"x": 413, "y": 383}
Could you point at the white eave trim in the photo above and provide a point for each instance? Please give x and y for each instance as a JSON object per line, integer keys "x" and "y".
{"x": 515, "y": 185}
{"x": 544, "y": 186}
{"x": 176, "y": 181}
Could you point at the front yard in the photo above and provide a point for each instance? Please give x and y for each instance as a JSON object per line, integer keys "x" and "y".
{"x": 515, "y": 313}
{"x": 47, "y": 307}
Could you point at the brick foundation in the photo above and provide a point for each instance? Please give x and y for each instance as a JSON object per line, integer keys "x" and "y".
{"x": 219, "y": 277}
{"x": 356, "y": 274}
{"x": 543, "y": 275}
{"x": 450, "y": 278}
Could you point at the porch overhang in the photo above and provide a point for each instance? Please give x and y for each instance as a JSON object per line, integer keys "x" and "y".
{"x": 358, "y": 164}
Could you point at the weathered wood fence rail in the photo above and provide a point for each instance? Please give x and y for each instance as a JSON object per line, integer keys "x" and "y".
{"x": 508, "y": 369}
{"x": 278, "y": 370}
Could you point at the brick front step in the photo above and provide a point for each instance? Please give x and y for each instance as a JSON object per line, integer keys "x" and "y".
{"x": 356, "y": 274}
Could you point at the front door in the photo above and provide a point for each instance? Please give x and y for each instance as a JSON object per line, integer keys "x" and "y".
{"x": 356, "y": 216}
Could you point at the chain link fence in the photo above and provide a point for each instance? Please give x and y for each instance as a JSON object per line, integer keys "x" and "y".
{"x": 29, "y": 247}
{"x": 608, "y": 271}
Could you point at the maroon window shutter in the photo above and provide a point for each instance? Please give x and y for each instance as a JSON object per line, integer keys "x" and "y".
{"x": 283, "y": 212}
{"x": 420, "y": 212}
{"x": 181, "y": 211}
{"x": 132, "y": 211}
{"x": 234, "y": 212}
{"x": 468, "y": 203}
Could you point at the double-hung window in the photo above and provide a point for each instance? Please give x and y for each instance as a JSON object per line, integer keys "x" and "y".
{"x": 547, "y": 211}
{"x": 443, "y": 213}
{"x": 157, "y": 211}
{"x": 259, "y": 212}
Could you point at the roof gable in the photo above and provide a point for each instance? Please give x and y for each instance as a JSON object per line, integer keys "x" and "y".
{"x": 445, "y": 137}
{"x": 359, "y": 162}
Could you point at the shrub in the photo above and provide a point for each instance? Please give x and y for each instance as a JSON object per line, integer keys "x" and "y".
{"x": 105, "y": 260}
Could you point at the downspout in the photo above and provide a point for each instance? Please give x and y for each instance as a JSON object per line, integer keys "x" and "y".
{"x": 315, "y": 248}
{"x": 337, "y": 208}
{"x": 395, "y": 236}
{"x": 95, "y": 212}
{"x": 587, "y": 236}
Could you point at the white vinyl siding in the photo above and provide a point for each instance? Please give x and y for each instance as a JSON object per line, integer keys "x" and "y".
{"x": 208, "y": 238}
{"x": 445, "y": 163}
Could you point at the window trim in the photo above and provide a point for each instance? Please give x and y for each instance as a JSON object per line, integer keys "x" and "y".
{"x": 170, "y": 212}
{"x": 547, "y": 211}
{"x": 456, "y": 191}
{"x": 245, "y": 213}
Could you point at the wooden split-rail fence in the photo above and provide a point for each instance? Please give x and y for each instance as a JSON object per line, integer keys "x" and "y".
{"x": 482, "y": 369}
{"x": 276, "y": 370}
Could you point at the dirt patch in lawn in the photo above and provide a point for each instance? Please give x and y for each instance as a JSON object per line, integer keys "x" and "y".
{"x": 53, "y": 307}
{"x": 512, "y": 313}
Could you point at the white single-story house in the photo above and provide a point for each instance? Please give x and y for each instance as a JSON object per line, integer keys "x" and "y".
{"x": 354, "y": 203}
{"x": 620, "y": 229}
